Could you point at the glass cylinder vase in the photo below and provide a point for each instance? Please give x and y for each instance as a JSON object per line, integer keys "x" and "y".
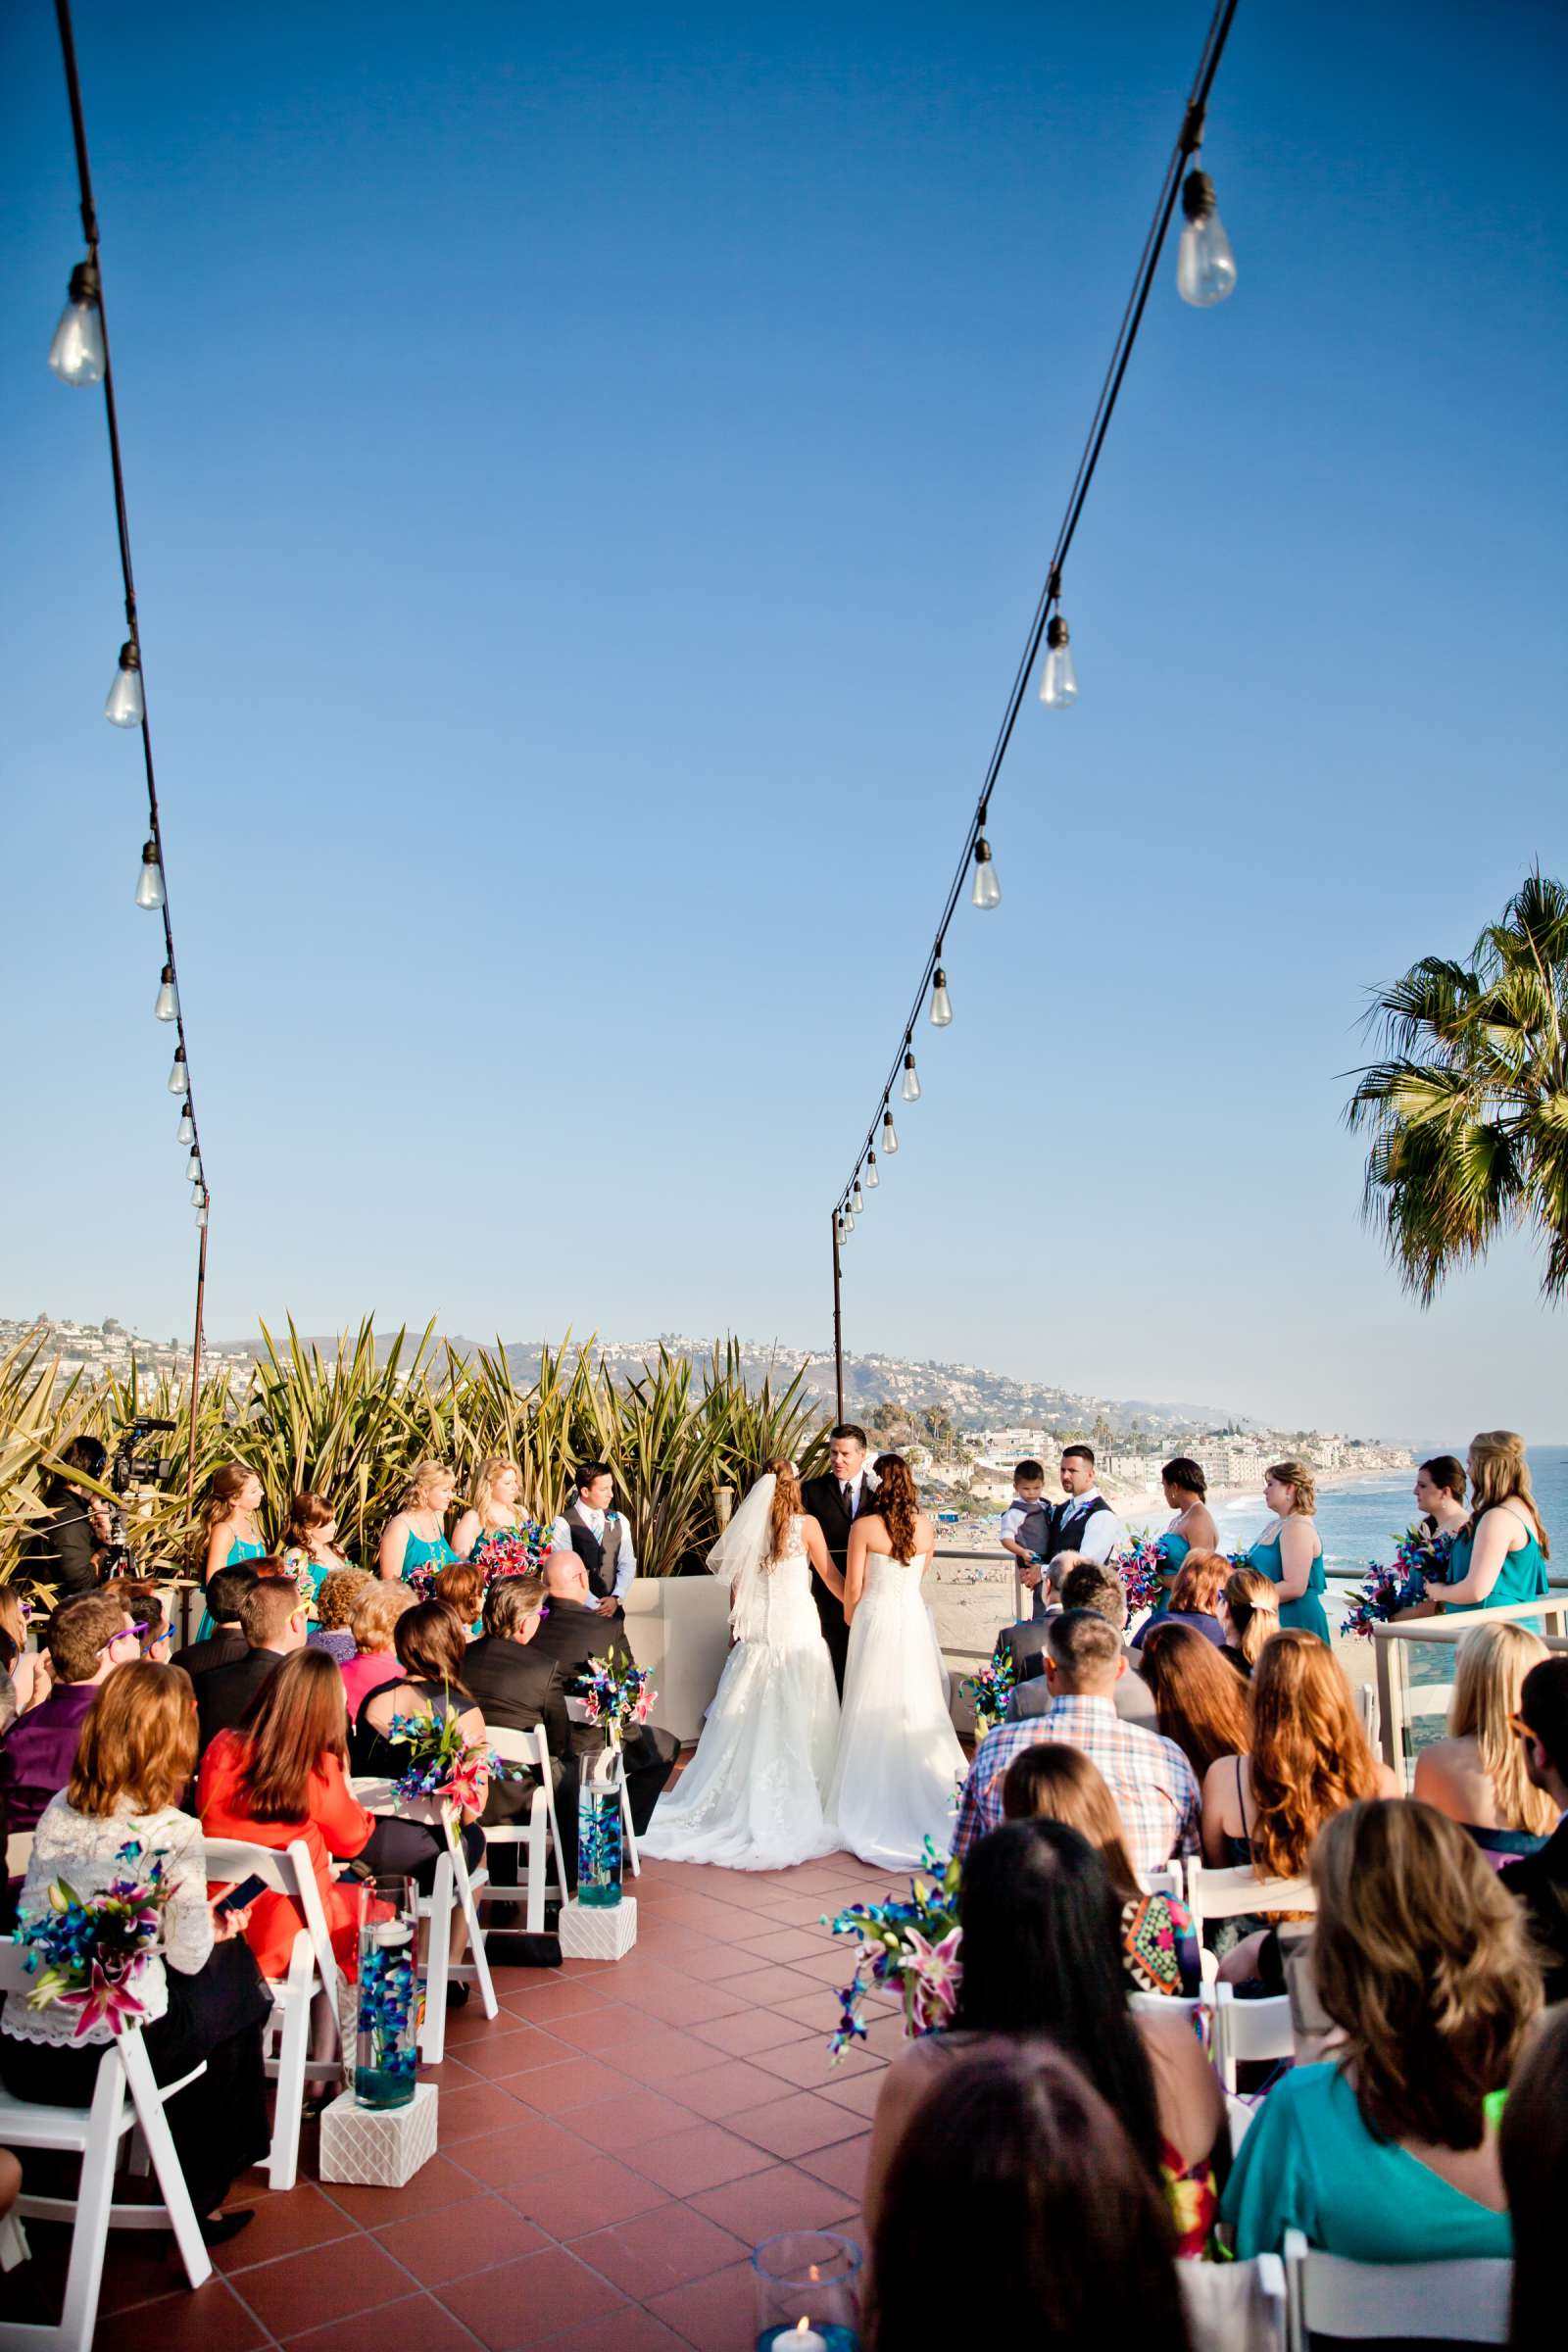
{"x": 808, "y": 2292}
{"x": 386, "y": 2054}
{"x": 599, "y": 1841}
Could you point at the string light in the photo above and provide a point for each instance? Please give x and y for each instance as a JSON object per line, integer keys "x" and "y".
{"x": 77, "y": 354}
{"x": 166, "y": 1008}
{"x": 193, "y": 1167}
{"x": 150, "y": 881}
{"x": 987, "y": 891}
{"x": 910, "y": 1088}
{"x": 848, "y": 1218}
{"x": 1205, "y": 266}
{"x": 201, "y": 1214}
{"x": 941, "y": 1001}
{"x": 126, "y": 706}
{"x": 1058, "y": 680}
{"x": 857, "y": 1198}
{"x": 187, "y": 1132}
{"x": 872, "y": 1178}
{"x": 890, "y": 1134}
{"x": 196, "y": 1192}
{"x": 179, "y": 1076}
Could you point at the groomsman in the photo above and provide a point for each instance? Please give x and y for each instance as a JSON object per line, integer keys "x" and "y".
{"x": 600, "y": 1537}
{"x": 847, "y": 1492}
{"x": 1082, "y": 1522}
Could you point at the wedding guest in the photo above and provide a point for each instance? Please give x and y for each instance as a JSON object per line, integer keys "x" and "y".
{"x": 1082, "y": 1522}
{"x": 517, "y": 1692}
{"x": 1193, "y": 1599}
{"x": 433, "y": 1653}
{"x": 414, "y": 1535}
{"x": 1198, "y": 1701}
{"x": 1500, "y": 1553}
{"x": 1308, "y": 1758}
{"x": 1149, "y": 1776}
{"x": 571, "y": 1633}
{"x": 495, "y": 1506}
{"x": 1440, "y": 1486}
{"x": 845, "y": 1493}
{"x": 29, "y": 1670}
{"x": 1026, "y": 1520}
{"x": 1086, "y": 1586}
{"x": 274, "y": 1620}
{"x": 1042, "y": 1958}
{"x": 1289, "y": 1551}
{"x": 1541, "y": 1881}
{"x": 336, "y": 1598}
{"x": 1011, "y": 2151}
{"x": 592, "y": 1528}
{"x": 227, "y": 1640}
{"x": 1477, "y": 1775}
{"x": 1249, "y": 1613}
{"x": 461, "y": 1587}
{"x": 1053, "y": 1783}
{"x": 62, "y": 1552}
{"x": 376, "y": 1611}
{"x": 1192, "y": 1528}
{"x": 1533, "y": 2146}
{"x": 88, "y": 1638}
{"x": 1388, "y": 2152}
{"x": 204, "y": 2006}
{"x": 229, "y": 1532}
{"x": 311, "y": 1548}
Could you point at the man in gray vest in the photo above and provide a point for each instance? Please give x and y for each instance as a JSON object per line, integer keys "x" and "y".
{"x": 600, "y": 1537}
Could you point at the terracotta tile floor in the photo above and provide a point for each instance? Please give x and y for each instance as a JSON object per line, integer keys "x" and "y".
{"x": 611, "y": 2148}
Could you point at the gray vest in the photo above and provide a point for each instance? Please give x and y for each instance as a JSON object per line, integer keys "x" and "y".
{"x": 598, "y": 1558}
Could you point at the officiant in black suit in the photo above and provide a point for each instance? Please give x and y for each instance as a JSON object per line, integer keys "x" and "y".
{"x": 846, "y": 1492}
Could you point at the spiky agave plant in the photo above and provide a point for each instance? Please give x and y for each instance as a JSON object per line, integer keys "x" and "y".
{"x": 1468, "y": 1114}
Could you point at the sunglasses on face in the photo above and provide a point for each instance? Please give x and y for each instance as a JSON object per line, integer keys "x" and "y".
{"x": 126, "y": 1633}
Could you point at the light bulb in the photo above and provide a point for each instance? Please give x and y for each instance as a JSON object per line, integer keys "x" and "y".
{"x": 910, "y": 1088}
{"x": 1205, "y": 266}
{"x": 858, "y": 1198}
{"x": 890, "y": 1134}
{"x": 150, "y": 881}
{"x": 127, "y": 702}
{"x": 197, "y": 1193}
{"x": 848, "y": 1218}
{"x": 941, "y": 1001}
{"x": 76, "y": 354}
{"x": 872, "y": 1178}
{"x": 201, "y": 1214}
{"x": 187, "y": 1130}
{"x": 193, "y": 1167}
{"x": 1058, "y": 680}
{"x": 987, "y": 891}
{"x": 166, "y": 1008}
{"x": 179, "y": 1076}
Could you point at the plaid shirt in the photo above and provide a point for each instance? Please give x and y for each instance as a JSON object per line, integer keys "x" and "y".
{"x": 1150, "y": 1780}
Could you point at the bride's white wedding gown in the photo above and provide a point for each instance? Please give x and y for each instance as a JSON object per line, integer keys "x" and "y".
{"x": 752, "y": 1797}
{"x": 899, "y": 1759}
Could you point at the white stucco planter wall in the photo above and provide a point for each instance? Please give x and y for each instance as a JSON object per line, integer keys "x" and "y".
{"x": 678, "y": 1627}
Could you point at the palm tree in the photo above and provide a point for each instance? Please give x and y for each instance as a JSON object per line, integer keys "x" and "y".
{"x": 1469, "y": 1114}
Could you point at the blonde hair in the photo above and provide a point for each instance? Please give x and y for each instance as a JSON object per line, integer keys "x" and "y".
{"x": 484, "y": 1478}
{"x": 378, "y": 1611}
{"x": 421, "y": 1476}
{"x": 1490, "y": 1669}
{"x": 1298, "y": 1476}
{"x": 1500, "y": 1473}
{"x": 1422, "y": 1959}
{"x": 1254, "y": 1602}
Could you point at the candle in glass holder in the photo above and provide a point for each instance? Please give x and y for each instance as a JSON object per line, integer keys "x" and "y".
{"x": 808, "y": 2292}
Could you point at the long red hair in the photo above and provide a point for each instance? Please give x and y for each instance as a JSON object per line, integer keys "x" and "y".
{"x": 898, "y": 1501}
{"x": 1309, "y": 1754}
{"x": 294, "y": 1723}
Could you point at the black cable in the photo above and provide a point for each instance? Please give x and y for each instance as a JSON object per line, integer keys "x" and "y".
{"x": 89, "y": 223}
{"x": 1188, "y": 140}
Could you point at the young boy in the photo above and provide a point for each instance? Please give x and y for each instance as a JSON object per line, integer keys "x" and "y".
{"x": 1027, "y": 1517}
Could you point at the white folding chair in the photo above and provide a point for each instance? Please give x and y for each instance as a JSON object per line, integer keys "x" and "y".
{"x": 1452, "y": 2302}
{"x": 536, "y": 1834}
{"x": 1169, "y": 1878}
{"x": 1235, "y": 2306}
{"x": 1366, "y": 1706}
{"x": 1240, "y": 2114}
{"x": 312, "y": 1968}
{"x": 123, "y": 2095}
{"x": 1234, "y": 1893}
{"x": 453, "y": 1889}
{"x": 1247, "y": 2032}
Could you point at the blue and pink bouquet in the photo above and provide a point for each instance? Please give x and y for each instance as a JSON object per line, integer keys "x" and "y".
{"x": 991, "y": 1690}
{"x": 617, "y": 1697}
{"x": 444, "y": 1764}
{"x": 1139, "y": 1567}
{"x": 906, "y": 1949}
{"x": 1419, "y": 1559}
{"x": 515, "y": 1552}
{"x": 86, "y": 1952}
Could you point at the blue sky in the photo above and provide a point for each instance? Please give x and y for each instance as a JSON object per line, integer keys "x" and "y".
{"x": 590, "y": 475}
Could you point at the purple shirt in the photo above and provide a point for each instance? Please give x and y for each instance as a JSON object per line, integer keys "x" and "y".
{"x": 39, "y": 1751}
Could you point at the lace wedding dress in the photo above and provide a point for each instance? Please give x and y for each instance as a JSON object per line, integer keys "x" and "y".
{"x": 752, "y": 1797}
{"x": 899, "y": 1759}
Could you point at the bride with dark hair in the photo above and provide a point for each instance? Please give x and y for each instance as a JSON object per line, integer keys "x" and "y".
{"x": 751, "y": 1798}
{"x": 898, "y": 1760}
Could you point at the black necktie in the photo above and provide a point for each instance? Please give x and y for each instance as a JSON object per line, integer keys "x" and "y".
{"x": 849, "y": 1500}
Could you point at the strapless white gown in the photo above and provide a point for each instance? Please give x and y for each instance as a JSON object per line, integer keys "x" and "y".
{"x": 899, "y": 1762}
{"x": 751, "y": 1798}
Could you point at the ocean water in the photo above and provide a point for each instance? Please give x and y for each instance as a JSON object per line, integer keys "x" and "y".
{"x": 1364, "y": 1519}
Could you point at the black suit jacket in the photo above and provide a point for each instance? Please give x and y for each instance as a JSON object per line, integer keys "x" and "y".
{"x": 566, "y": 1639}
{"x": 822, "y": 1498}
{"x": 222, "y": 1648}
{"x": 517, "y": 1691}
{"x": 224, "y": 1694}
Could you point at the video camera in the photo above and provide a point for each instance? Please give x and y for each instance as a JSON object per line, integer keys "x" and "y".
{"x": 134, "y": 1463}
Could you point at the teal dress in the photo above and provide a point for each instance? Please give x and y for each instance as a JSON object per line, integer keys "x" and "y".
{"x": 1309, "y": 2162}
{"x": 1522, "y": 1576}
{"x": 1172, "y": 1549}
{"x": 418, "y": 1553}
{"x": 238, "y": 1554}
{"x": 1306, "y": 1615}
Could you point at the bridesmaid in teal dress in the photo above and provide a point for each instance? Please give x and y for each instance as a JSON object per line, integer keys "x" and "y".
{"x": 1502, "y": 1555}
{"x": 228, "y": 1526}
{"x": 1289, "y": 1551}
{"x": 496, "y": 1508}
{"x": 1191, "y": 1530}
{"x": 415, "y": 1537}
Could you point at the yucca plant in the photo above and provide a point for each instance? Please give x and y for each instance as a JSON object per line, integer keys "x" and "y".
{"x": 1469, "y": 1111}
{"x": 41, "y": 1409}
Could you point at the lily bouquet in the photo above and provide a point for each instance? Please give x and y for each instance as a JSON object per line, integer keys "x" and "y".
{"x": 445, "y": 1765}
{"x": 616, "y": 1696}
{"x": 990, "y": 1690}
{"x": 87, "y": 1952}
{"x": 1418, "y": 1557}
{"x": 907, "y": 1948}
{"x": 1139, "y": 1566}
